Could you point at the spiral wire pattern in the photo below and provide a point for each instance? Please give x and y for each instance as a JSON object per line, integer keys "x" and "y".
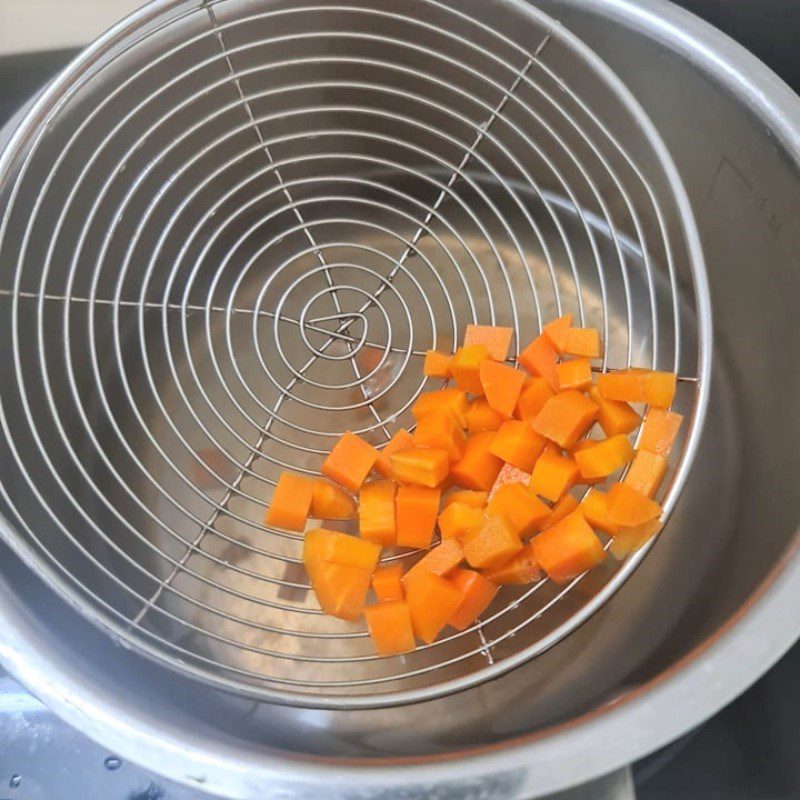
{"x": 230, "y": 231}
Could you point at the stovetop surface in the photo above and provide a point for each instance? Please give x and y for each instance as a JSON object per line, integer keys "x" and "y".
{"x": 749, "y": 751}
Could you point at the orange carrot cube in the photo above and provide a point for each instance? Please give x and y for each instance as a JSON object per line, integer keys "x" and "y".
{"x": 417, "y": 508}
{"x": 509, "y": 474}
{"x": 627, "y": 540}
{"x": 291, "y": 502}
{"x": 350, "y": 461}
{"x": 639, "y": 386}
{"x": 600, "y": 459}
{"x": 424, "y": 466}
{"x": 458, "y": 519}
{"x": 565, "y": 506}
{"x": 594, "y": 508}
{"x": 477, "y": 594}
{"x": 440, "y": 430}
{"x": 440, "y": 560}
{"x": 614, "y": 416}
{"x": 501, "y": 386}
{"x": 574, "y": 374}
{"x": 478, "y": 467}
{"x": 520, "y": 506}
{"x": 340, "y": 548}
{"x": 517, "y": 443}
{"x": 400, "y": 441}
{"x": 539, "y": 358}
{"x": 389, "y": 626}
{"x": 532, "y": 398}
{"x": 467, "y": 497}
{"x": 482, "y": 417}
{"x": 566, "y": 417}
{"x": 465, "y": 367}
{"x": 386, "y": 582}
{"x": 659, "y": 431}
{"x": 331, "y": 502}
{"x": 495, "y": 339}
{"x": 437, "y": 365}
{"x": 583, "y": 342}
{"x": 629, "y": 508}
{"x": 568, "y": 549}
{"x": 490, "y": 545}
{"x": 452, "y": 400}
{"x": 553, "y": 476}
{"x": 520, "y": 570}
{"x": 556, "y": 331}
{"x": 341, "y": 589}
{"x": 376, "y": 517}
{"x": 432, "y": 600}
{"x": 646, "y": 472}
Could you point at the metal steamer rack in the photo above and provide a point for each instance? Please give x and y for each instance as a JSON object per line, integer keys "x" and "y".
{"x": 232, "y": 231}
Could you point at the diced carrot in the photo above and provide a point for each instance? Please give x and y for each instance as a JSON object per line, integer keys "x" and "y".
{"x": 467, "y": 497}
{"x": 340, "y": 548}
{"x": 291, "y": 502}
{"x": 568, "y": 549}
{"x": 400, "y": 441}
{"x": 553, "y": 476}
{"x": 437, "y": 364}
{"x": 458, "y": 519}
{"x": 574, "y": 374}
{"x": 465, "y": 368}
{"x": 565, "y": 417}
{"x": 482, "y": 417}
{"x": 521, "y": 569}
{"x": 477, "y": 594}
{"x": 440, "y": 430}
{"x": 490, "y": 545}
{"x": 331, "y": 502}
{"x": 452, "y": 400}
{"x": 424, "y": 466}
{"x": 494, "y": 338}
{"x": 639, "y": 386}
{"x": 389, "y": 626}
{"x": 417, "y": 508}
{"x": 627, "y": 540}
{"x": 341, "y": 589}
{"x": 594, "y": 508}
{"x": 509, "y": 474}
{"x": 501, "y": 386}
{"x": 350, "y": 461}
{"x": 532, "y": 398}
{"x": 646, "y": 472}
{"x": 659, "y": 431}
{"x": 432, "y": 600}
{"x": 439, "y": 560}
{"x": 539, "y": 358}
{"x": 386, "y": 582}
{"x": 478, "y": 467}
{"x": 629, "y": 508}
{"x": 556, "y": 331}
{"x": 376, "y": 516}
{"x": 614, "y": 416}
{"x": 600, "y": 459}
{"x": 520, "y": 506}
{"x": 517, "y": 443}
{"x": 583, "y": 342}
{"x": 565, "y": 506}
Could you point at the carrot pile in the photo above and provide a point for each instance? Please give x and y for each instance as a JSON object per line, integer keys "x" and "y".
{"x": 489, "y": 468}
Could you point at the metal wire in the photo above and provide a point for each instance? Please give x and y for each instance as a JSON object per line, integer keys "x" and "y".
{"x": 233, "y": 233}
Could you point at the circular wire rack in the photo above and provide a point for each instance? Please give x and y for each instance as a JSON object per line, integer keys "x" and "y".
{"x": 231, "y": 230}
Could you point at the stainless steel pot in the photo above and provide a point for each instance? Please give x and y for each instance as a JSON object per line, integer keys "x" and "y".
{"x": 708, "y": 611}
